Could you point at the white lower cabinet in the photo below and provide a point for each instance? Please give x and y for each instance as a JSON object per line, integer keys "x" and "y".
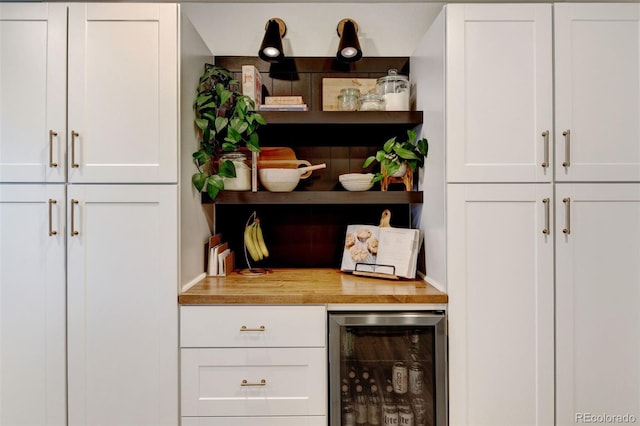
{"x": 501, "y": 337}
{"x": 249, "y": 365}
{"x": 597, "y": 298}
{"x": 32, "y": 305}
{"x": 122, "y": 328}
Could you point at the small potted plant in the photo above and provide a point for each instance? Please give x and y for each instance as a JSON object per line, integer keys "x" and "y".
{"x": 227, "y": 121}
{"x": 399, "y": 160}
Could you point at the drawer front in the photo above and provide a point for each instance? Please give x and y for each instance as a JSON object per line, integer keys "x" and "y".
{"x": 279, "y": 382}
{"x": 252, "y": 326}
{"x": 255, "y": 421}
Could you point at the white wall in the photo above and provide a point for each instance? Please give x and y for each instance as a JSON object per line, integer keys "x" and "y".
{"x": 385, "y": 29}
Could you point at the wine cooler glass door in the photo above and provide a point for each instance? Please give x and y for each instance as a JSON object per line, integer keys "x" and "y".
{"x": 387, "y": 368}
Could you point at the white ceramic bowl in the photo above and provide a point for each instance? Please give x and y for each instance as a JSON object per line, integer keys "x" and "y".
{"x": 356, "y": 181}
{"x": 279, "y": 180}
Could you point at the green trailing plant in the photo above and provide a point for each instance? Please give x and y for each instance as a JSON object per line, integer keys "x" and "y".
{"x": 227, "y": 121}
{"x": 394, "y": 153}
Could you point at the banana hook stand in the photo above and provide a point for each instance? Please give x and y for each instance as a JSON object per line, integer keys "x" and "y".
{"x": 249, "y": 270}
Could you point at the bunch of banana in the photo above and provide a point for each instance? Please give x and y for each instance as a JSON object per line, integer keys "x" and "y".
{"x": 254, "y": 241}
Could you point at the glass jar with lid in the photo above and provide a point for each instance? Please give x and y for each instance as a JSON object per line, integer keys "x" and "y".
{"x": 371, "y": 102}
{"x": 349, "y": 99}
{"x": 394, "y": 89}
{"x": 242, "y": 181}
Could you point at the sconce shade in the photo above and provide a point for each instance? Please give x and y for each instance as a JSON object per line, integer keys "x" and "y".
{"x": 349, "y": 46}
{"x": 271, "y": 47}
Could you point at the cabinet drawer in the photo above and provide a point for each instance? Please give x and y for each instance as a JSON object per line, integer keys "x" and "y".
{"x": 255, "y": 421}
{"x": 295, "y": 382}
{"x": 240, "y": 326}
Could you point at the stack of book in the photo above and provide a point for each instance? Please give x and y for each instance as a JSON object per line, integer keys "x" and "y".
{"x": 283, "y": 103}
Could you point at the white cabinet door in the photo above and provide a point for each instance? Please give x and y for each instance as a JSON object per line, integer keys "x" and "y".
{"x": 122, "y": 309}
{"x": 123, "y": 92}
{"x": 597, "y": 69}
{"x": 32, "y": 305}
{"x": 499, "y": 93}
{"x": 500, "y": 269}
{"x": 33, "y": 50}
{"x": 597, "y": 297}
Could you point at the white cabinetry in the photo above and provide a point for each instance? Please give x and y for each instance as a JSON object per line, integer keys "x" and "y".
{"x": 491, "y": 66}
{"x": 113, "y": 360}
{"x": 499, "y": 93}
{"x": 597, "y": 295}
{"x": 500, "y": 275}
{"x": 244, "y": 365}
{"x": 122, "y": 312}
{"x": 597, "y": 91}
{"x": 32, "y": 305}
{"x": 122, "y": 94}
{"x": 33, "y": 91}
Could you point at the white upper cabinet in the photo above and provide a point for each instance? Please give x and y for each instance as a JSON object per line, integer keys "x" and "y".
{"x": 32, "y": 92}
{"x": 123, "y": 93}
{"x": 499, "y": 93}
{"x": 597, "y": 297}
{"x": 597, "y": 87}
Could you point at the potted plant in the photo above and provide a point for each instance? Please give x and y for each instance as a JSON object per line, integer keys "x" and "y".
{"x": 226, "y": 120}
{"x": 399, "y": 157}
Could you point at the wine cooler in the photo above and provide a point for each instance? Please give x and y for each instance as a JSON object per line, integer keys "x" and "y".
{"x": 387, "y": 368}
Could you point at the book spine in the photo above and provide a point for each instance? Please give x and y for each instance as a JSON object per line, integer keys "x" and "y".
{"x": 252, "y": 84}
{"x": 283, "y": 100}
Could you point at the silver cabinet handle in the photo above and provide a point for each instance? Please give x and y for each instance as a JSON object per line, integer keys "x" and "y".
{"x": 73, "y": 226}
{"x": 545, "y": 136}
{"x": 567, "y": 148}
{"x": 545, "y": 231}
{"x": 245, "y": 328}
{"x": 263, "y": 382}
{"x": 52, "y": 135}
{"x": 52, "y": 231}
{"x": 74, "y": 135}
{"x": 567, "y": 216}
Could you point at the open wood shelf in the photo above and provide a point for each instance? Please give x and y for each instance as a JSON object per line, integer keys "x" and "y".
{"x": 372, "y": 118}
{"x": 317, "y": 197}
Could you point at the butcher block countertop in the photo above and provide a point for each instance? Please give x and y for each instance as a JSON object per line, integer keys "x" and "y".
{"x": 308, "y": 286}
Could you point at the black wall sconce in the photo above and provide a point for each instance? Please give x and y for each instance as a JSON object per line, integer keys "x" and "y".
{"x": 349, "y": 46}
{"x": 271, "y": 47}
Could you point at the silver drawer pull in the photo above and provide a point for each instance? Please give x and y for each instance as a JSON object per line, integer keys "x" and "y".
{"x": 263, "y": 382}
{"x": 245, "y": 328}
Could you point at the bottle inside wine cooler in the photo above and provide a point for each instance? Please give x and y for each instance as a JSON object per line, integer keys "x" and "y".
{"x": 361, "y": 406}
{"x": 374, "y": 413}
{"x": 347, "y": 406}
{"x": 389, "y": 407}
